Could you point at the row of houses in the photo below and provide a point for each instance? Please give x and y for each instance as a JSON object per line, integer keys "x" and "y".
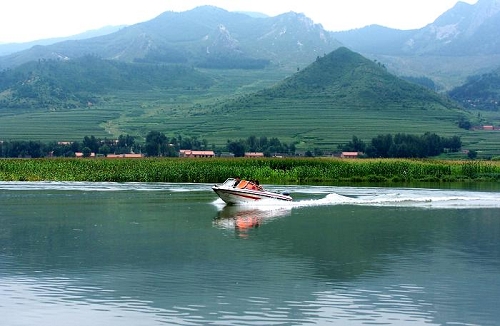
{"x": 204, "y": 154}
{"x": 182, "y": 153}
{"x": 130, "y": 155}
{"x": 196, "y": 154}
{"x": 209, "y": 154}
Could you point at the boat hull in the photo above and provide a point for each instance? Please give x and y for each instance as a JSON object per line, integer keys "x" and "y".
{"x": 234, "y": 196}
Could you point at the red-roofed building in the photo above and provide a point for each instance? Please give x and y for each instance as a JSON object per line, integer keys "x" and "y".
{"x": 349, "y": 155}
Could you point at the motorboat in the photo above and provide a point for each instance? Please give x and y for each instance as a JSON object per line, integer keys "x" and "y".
{"x": 234, "y": 191}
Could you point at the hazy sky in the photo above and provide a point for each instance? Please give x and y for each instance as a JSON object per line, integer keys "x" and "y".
{"x": 27, "y": 20}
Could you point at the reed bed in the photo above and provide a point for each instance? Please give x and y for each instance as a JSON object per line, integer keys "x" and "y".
{"x": 267, "y": 170}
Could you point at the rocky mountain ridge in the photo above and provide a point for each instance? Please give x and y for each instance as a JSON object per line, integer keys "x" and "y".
{"x": 199, "y": 37}
{"x": 463, "y": 41}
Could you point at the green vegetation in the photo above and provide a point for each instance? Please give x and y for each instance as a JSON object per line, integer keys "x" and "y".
{"x": 423, "y": 81}
{"x": 404, "y": 146}
{"x": 269, "y": 170}
{"x": 480, "y": 92}
{"x": 83, "y": 81}
{"x": 90, "y": 144}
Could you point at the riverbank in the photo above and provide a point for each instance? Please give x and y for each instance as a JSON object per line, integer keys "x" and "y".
{"x": 268, "y": 170}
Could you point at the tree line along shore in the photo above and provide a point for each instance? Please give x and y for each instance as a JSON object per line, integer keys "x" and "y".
{"x": 266, "y": 170}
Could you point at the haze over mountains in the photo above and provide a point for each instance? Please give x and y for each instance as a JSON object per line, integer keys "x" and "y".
{"x": 8, "y": 48}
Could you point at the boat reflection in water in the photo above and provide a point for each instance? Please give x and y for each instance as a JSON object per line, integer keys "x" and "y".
{"x": 243, "y": 219}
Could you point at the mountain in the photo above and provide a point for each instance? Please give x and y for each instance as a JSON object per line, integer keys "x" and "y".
{"x": 463, "y": 41}
{"x": 206, "y": 36}
{"x": 345, "y": 78}
{"x": 480, "y": 92}
{"x": 8, "y": 48}
{"x": 463, "y": 30}
{"x": 375, "y": 39}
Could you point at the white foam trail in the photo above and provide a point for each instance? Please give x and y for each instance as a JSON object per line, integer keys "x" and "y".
{"x": 420, "y": 198}
{"x": 330, "y": 199}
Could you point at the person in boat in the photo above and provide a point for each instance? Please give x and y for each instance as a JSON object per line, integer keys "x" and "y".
{"x": 257, "y": 184}
{"x": 251, "y": 185}
{"x": 254, "y": 185}
{"x": 236, "y": 181}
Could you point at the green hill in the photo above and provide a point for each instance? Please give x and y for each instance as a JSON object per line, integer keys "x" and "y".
{"x": 61, "y": 84}
{"x": 480, "y": 92}
{"x": 340, "y": 95}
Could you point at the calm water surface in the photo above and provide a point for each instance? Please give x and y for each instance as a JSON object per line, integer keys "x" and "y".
{"x": 173, "y": 254}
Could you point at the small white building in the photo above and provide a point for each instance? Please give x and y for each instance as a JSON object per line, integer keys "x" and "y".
{"x": 196, "y": 154}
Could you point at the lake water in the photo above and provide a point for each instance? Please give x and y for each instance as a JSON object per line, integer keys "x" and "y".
{"x": 174, "y": 254}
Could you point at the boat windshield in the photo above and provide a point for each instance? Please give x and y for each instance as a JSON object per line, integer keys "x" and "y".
{"x": 242, "y": 184}
{"x": 229, "y": 182}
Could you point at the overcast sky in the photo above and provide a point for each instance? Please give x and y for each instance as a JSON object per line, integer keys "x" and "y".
{"x": 28, "y": 20}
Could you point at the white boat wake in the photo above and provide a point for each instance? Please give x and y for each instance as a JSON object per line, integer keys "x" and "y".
{"x": 418, "y": 198}
{"x": 388, "y": 197}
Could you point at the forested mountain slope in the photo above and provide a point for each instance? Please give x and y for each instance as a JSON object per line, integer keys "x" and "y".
{"x": 480, "y": 92}
{"x": 58, "y": 84}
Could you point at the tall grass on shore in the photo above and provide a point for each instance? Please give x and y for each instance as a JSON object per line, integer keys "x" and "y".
{"x": 267, "y": 170}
